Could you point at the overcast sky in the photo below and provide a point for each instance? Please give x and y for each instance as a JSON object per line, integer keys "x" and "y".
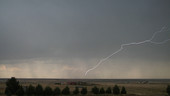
{"x": 65, "y": 38}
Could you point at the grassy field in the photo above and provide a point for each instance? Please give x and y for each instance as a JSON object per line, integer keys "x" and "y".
{"x": 133, "y": 89}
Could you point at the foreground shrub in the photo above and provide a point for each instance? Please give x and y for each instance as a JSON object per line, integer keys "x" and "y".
{"x": 116, "y": 90}
{"x": 66, "y": 91}
{"x": 102, "y": 91}
{"x": 12, "y": 86}
{"x": 57, "y": 91}
{"x": 8, "y": 92}
{"x": 30, "y": 90}
{"x": 108, "y": 90}
{"x": 39, "y": 90}
{"x": 168, "y": 89}
{"x": 76, "y": 91}
{"x": 123, "y": 91}
{"x": 48, "y": 91}
{"x": 95, "y": 90}
{"x": 84, "y": 91}
{"x": 20, "y": 91}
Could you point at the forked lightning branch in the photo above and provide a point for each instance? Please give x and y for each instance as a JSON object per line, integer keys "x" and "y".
{"x": 129, "y": 44}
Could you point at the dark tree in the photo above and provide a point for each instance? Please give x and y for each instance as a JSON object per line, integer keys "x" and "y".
{"x": 12, "y": 86}
{"x": 8, "y": 92}
{"x": 102, "y": 91}
{"x": 76, "y": 91}
{"x": 48, "y": 91}
{"x": 116, "y": 90}
{"x": 30, "y": 90}
{"x": 84, "y": 91}
{"x": 168, "y": 89}
{"x": 123, "y": 91}
{"x": 39, "y": 90}
{"x": 66, "y": 91}
{"x": 57, "y": 91}
{"x": 95, "y": 90}
{"x": 108, "y": 90}
{"x": 20, "y": 91}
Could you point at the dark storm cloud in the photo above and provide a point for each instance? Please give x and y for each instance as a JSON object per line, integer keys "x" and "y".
{"x": 81, "y": 30}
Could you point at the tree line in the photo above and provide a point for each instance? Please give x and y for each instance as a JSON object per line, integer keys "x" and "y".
{"x": 14, "y": 88}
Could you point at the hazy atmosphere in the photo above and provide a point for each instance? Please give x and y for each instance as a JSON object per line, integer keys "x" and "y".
{"x": 65, "y": 38}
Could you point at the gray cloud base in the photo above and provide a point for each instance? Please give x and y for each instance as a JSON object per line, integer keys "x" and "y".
{"x": 79, "y": 33}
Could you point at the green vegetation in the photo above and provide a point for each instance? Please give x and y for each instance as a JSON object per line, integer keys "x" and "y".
{"x": 66, "y": 91}
{"x": 102, "y": 91}
{"x": 116, "y": 90}
{"x": 30, "y": 90}
{"x": 108, "y": 91}
{"x": 48, "y": 91}
{"x": 76, "y": 91}
{"x": 20, "y": 91}
{"x": 57, "y": 91}
{"x": 123, "y": 91}
{"x": 95, "y": 90}
{"x": 39, "y": 90}
{"x": 168, "y": 89}
{"x": 12, "y": 86}
{"x": 84, "y": 91}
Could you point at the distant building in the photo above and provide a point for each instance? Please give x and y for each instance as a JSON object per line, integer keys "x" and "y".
{"x": 72, "y": 83}
{"x": 77, "y": 83}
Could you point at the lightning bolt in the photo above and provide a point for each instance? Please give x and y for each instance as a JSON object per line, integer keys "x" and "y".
{"x": 128, "y": 44}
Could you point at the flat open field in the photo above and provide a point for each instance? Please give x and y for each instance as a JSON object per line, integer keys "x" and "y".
{"x": 134, "y": 87}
